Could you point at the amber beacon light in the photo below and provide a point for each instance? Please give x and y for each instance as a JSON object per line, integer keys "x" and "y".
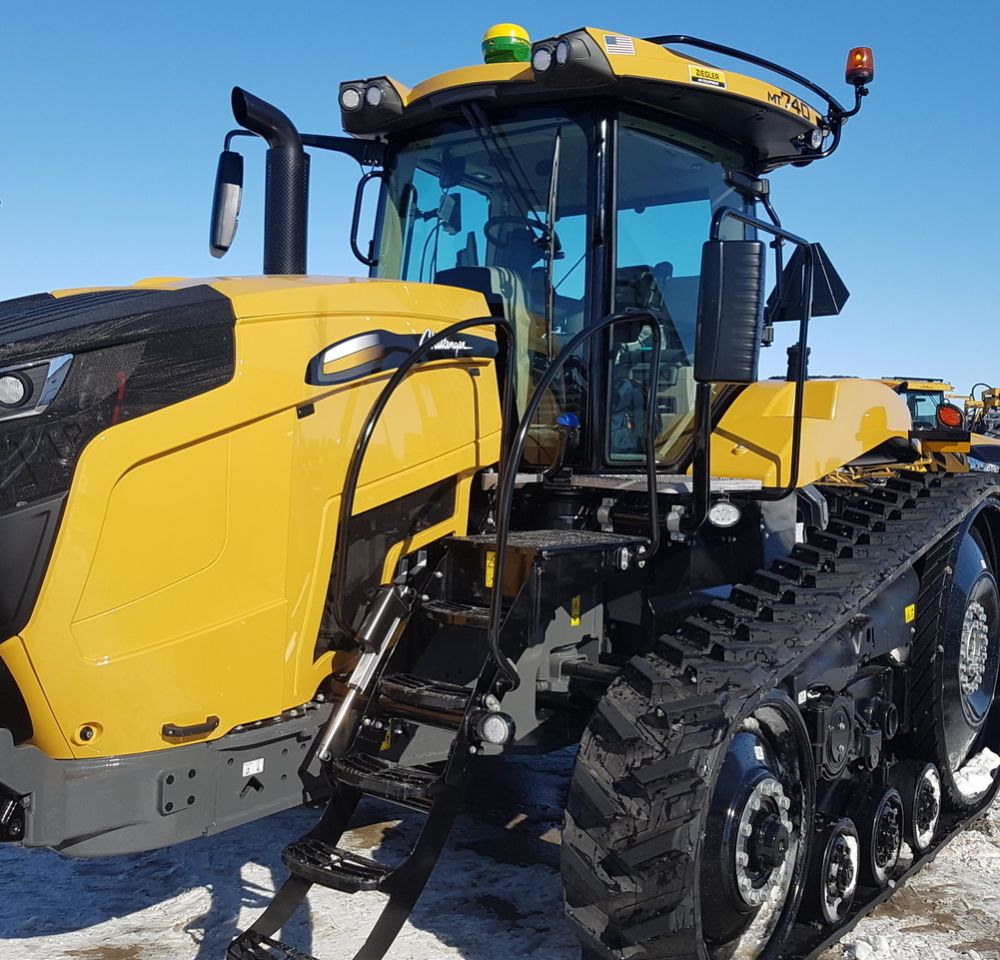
{"x": 860, "y": 66}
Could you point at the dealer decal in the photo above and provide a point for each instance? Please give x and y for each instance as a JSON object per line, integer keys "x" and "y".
{"x": 707, "y": 76}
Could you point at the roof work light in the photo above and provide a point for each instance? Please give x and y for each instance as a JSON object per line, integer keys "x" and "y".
{"x": 506, "y": 43}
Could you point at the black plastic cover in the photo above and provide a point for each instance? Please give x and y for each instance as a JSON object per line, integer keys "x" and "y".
{"x": 134, "y": 351}
{"x": 26, "y": 536}
{"x": 730, "y": 311}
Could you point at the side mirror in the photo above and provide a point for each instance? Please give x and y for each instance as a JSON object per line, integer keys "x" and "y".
{"x": 730, "y": 311}
{"x": 226, "y": 202}
{"x": 450, "y": 213}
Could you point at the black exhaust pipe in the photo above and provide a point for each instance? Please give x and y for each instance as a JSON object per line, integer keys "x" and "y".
{"x": 286, "y": 191}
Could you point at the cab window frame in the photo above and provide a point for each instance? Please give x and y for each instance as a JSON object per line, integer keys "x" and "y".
{"x": 685, "y": 136}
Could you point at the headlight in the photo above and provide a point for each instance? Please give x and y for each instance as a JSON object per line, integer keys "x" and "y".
{"x": 541, "y": 59}
{"x": 374, "y": 95}
{"x": 14, "y": 390}
{"x": 28, "y": 388}
{"x": 562, "y": 51}
{"x": 350, "y": 98}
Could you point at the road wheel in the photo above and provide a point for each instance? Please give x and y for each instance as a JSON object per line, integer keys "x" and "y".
{"x": 833, "y": 871}
{"x": 685, "y": 826}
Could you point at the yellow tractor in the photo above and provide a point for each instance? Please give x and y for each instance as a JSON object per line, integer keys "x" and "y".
{"x": 290, "y": 537}
{"x": 958, "y": 432}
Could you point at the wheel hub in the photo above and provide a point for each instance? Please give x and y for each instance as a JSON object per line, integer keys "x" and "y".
{"x": 974, "y": 649}
{"x": 888, "y": 836}
{"x": 763, "y": 842}
{"x": 927, "y": 805}
{"x": 769, "y": 843}
{"x": 841, "y": 869}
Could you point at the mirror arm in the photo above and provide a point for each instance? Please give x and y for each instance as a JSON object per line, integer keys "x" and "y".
{"x": 227, "y": 143}
{"x": 369, "y": 153}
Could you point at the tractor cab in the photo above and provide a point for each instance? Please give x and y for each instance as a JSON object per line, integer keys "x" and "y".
{"x": 578, "y": 177}
{"x": 568, "y": 180}
{"x": 923, "y": 395}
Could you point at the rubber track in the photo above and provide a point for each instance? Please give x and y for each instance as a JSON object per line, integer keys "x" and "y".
{"x": 641, "y": 786}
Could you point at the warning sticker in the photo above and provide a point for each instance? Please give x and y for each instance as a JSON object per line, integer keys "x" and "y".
{"x": 252, "y": 767}
{"x": 491, "y": 566}
{"x": 910, "y": 613}
{"x": 574, "y": 612}
{"x": 707, "y": 76}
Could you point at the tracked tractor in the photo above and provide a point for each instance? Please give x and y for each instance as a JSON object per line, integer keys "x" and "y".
{"x": 295, "y": 537}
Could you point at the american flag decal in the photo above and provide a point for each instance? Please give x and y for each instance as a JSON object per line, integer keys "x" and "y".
{"x": 614, "y": 43}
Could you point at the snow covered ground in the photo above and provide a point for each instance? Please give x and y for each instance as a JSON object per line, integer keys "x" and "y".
{"x": 495, "y": 895}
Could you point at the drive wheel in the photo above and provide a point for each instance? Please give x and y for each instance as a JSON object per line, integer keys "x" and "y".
{"x": 957, "y": 659}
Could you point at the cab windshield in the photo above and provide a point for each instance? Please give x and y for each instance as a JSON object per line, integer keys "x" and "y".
{"x": 506, "y": 205}
{"x": 499, "y": 206}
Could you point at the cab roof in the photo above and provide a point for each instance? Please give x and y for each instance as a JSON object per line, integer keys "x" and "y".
{"x": 751, "y": 115}
{"x": 925, "y": 384}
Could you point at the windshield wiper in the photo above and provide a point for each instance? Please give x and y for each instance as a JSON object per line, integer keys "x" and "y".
{"x": 552, "y": 243}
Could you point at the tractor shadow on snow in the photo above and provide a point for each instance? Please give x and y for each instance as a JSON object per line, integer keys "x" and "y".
{"x": 496, "y": 891}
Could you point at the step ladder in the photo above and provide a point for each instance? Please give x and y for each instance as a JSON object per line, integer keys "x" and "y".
{"x": 502, "y": 594}
{"x": 544, "y": 566}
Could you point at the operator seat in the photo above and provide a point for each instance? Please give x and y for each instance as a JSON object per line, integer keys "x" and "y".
{"x": 502, "y": 286}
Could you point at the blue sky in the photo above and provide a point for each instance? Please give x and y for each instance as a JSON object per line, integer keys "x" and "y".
{"x": 113, "y": 115}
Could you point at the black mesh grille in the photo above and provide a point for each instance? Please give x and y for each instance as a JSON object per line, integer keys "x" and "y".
{"x": 125, "y": 364}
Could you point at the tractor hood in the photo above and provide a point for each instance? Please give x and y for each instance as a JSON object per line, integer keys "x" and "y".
{"x": 78, "y": 366}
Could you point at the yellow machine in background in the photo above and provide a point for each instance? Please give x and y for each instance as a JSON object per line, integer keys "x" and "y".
{"x": 292, "y": 537}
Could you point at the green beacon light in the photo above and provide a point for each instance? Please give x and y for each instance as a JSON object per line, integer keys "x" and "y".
{"x": 506, "y": 43}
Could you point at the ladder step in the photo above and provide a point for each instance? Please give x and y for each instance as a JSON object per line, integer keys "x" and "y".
{"x": 425, "y": 694}
{"x": 332, "y": 867}
{"x": 459, "y": 614}
{"x": 253, "y": 946}
{"x": 410, "y": 786}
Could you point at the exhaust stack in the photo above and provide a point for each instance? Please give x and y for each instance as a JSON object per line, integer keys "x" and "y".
{"x": 286, "y": 192}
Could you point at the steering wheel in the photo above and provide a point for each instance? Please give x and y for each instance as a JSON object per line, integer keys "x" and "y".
{"x": 501, "y": 240}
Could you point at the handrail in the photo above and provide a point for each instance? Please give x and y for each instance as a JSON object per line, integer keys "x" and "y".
{"x": 837, "y": 114}
{"x": 505, "y": 332}
{"x": 509, "y": 465}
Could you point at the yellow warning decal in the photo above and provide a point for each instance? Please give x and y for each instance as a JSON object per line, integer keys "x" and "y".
{"x": 707, "y": 76}
{"x": 910, "y": 613}
{"x": 387, "y": 739}
{"x": 491, "y": 567}
{"x": 574, "y": 612}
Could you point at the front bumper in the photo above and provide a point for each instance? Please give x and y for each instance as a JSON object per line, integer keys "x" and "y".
{"x": 128, "y": 804}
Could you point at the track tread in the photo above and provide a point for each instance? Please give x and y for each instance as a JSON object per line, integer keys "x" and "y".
{"x": 634, "y": 813}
